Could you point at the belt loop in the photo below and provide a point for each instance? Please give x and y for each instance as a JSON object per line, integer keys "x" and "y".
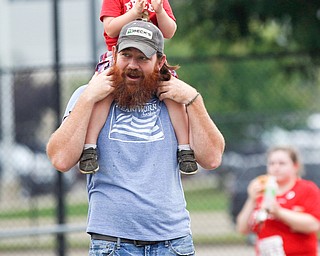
{"x": 118, "y": 242}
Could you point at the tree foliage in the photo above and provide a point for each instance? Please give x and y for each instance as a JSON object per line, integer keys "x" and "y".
{"x": 249, "y": 26}
{"x": 261, "y": 62}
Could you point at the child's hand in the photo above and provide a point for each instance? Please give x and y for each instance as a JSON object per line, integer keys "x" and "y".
{"x": 139, "y": 7}
{"x": 100, "y": 85}
{"x": 157, "y": 5}
{"x": 176, "y": 90}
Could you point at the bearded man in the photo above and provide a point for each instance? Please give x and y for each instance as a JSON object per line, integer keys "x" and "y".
{"x": 136, "y": 201}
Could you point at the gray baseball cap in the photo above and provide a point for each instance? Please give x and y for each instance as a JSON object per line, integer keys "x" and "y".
{"x": 142, "y": 35}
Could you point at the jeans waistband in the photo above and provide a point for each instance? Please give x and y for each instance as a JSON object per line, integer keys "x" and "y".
{"x": 123, "y": 240}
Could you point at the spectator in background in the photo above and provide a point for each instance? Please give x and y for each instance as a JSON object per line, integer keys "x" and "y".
{"x": 293, "y": 218}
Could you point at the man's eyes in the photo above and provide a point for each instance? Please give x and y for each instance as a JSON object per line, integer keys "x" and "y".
{"x": 143, "y": 58}
{"x": 139, "y": 58}
{"x": 125, "y": 54}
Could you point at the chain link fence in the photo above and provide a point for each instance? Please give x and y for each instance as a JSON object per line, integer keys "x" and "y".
{"x": 256, "y": 102}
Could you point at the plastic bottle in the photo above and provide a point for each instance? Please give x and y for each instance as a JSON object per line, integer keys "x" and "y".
{"x": 269, "y": 197}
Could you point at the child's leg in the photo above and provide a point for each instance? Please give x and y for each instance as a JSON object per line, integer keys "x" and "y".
{"x": 89, "y": 161}
{"x": 98, "y": 118}
{"x": 179, "y": 119}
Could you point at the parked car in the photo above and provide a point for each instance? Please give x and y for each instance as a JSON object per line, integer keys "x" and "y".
{"x": 33, "y": 170}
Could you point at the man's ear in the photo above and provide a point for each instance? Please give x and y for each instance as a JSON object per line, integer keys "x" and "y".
{"x": 162, "y": 61}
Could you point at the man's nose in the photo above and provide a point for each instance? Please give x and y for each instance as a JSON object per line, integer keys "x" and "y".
{"x": 133, "y": 63}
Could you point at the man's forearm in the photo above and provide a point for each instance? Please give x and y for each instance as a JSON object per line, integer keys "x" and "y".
{"x": 66, "y": 143}
{"x": 206, "y": 139}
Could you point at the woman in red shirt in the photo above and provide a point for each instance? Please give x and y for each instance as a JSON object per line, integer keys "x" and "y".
{"x": 292, "y": 219}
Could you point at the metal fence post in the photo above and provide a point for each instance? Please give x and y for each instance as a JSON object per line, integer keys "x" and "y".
{"x": 60, "y": 191}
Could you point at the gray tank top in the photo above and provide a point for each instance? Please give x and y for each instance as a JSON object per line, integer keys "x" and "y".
{"x": 137, "y": 192}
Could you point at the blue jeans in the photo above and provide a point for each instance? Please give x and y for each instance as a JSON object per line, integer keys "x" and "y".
{"x": 177, "y": 247}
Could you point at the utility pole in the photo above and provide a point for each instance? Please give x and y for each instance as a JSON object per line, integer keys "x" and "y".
{"x": 60, "y": 192}
{"x": 93, "y": 29}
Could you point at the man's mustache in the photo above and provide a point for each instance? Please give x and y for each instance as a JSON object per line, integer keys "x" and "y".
{"x": 133, "y": 73}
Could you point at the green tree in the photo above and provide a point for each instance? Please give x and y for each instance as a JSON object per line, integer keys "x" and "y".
{"x": 249, "y": 26}
{"x": 255, "y": 62}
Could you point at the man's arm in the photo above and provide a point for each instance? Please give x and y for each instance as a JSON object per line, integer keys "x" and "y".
{"x": 205, "y": 138}
{"x": 66, "y": 143}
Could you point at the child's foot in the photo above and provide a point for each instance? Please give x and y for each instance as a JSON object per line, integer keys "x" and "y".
{"x": 187, "y": 162}
{"x": 89, "y": 161}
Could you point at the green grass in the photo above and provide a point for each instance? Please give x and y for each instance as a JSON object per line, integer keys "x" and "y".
{"x": 27, "y": 213}
{"x": 207, "y": 199}
{"x": 197, "y": 200}
{"x": 49, "y": 212}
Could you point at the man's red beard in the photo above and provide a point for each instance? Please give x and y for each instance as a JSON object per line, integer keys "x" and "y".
{"x": 134, "y": 94}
